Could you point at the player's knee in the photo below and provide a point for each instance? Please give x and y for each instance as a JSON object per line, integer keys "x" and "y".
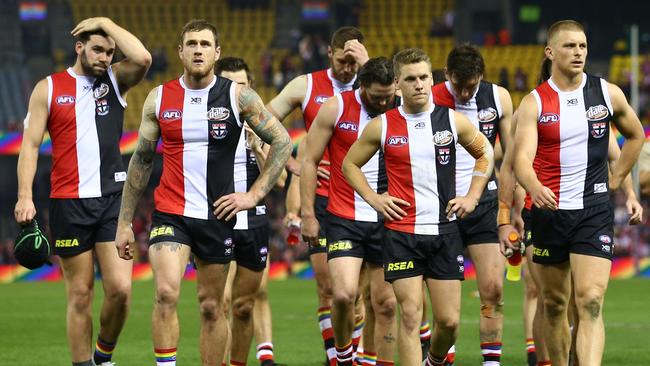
{"x": 243, "y": 307}
{"x": 385, "y": 307}
{"x": 166, "y": 296}
{"x": 344, "y": 298}
{"x": 209, "y": 309}
{"x": 447, "y": 324}
{"x": 262, "y": 294}
{"x": 81, "y": 299}
{"x": 531, "y": 291}
{"x": 554, "y": 306}
{"x": 491, "y": 293}
{"x": 411, "y": 315}
{"x": 590, "y": 304}
{"x": 119, "y": 294}
{"x": 325, "y": 292}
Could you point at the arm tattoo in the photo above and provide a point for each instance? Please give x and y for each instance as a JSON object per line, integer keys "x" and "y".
{"x": 271, "y": 132}
{"x": 137, "y": 177}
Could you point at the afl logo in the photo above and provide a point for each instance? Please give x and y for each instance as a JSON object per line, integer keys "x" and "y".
{"x": 348, "y": 126}
{"x": 218, "y": 113}
{"x": 171, "y": 114}
{"x": 549, "y": 118}
{"x": 64, "y": 99}
{"x": 443, "y": 155}
{"x": 605, "y": 239}
{"x": 320, "y": 99}
{"x": 442, "y": 138}
{"x": 487, "y": 114}
{"x": 597, "y": 113}
{"x": 218, "y": 130}
{"x": 100, "y": 91}
{"x": 397, "y": 141}
{"x": 598, "y": 129}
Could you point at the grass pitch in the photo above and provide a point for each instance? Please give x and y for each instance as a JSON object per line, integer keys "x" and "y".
{"x": 32, "y": 325}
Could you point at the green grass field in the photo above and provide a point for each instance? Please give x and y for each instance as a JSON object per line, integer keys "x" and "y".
{"x": 32, "y": 325}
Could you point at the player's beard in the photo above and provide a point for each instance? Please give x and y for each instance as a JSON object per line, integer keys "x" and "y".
{"x": 87, "y": 68}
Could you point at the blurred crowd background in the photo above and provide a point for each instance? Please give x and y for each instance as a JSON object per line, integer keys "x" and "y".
{"x": 281, "y": 39}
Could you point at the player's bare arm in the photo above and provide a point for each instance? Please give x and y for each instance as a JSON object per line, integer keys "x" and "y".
{"x": 271, "y": 131}
{"x": 138, "y": 175}
{"x": 316, "y": 142}
{"x": 360, "y": 152}
{"x": 34, "y": 128}
{"x": 292, "y": 200}
{"x": 628, "y": 124}
{"x": 526, "y": 137}
{"x": 506, "y": 193}
{"x": 480, "y": 148}
{"x": 634, "y": 208}
{"x": 132, "y": 69}
{"x": 290, "y": 98}
{"x": 261, "y": 152}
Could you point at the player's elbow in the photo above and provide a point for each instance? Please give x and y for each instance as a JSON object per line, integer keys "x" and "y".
{"x": 143, "y": 59}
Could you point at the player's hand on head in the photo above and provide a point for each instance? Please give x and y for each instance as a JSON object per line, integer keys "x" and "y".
{"x": 357, "y": 50}
{"x": 309, "y": 229}
{"x": 461, "y": 206}
{"x": 389, "y": 206}
{"x": 504, "y": 241}
{"x": 124, "y": 242}
{"x": 227, "y": 206}
{"x": 635, "y": 210}
{"x": 24, "y": 211}
{"x": 544, "y": 198}
{"x": 323, "y": 170}
{"x": 89, "y": 25}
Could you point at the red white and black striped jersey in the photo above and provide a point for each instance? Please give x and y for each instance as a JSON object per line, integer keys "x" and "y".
{"x": 320, "y": 86}
{"x": 85, "y": 124}
{"x": 420, "y": 158}
{"x": 200, "y": 130}
{"x": 344, "y": 201}
{"x": 573, "y": 140}
{"x": 484, "y": 111}
{"x": 246, "y": 173}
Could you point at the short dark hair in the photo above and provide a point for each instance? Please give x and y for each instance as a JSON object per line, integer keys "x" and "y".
{"x": 233, "y": 64}
{"x": 561, "y": 25}
{"x": 376, "y": 70}
{"x": 465, "y": 62}
{"x": 83, "y": 37}
{"x": 409, "y": 56}
{"x": 345, "y": 34}
{"x": 197, "y": 25}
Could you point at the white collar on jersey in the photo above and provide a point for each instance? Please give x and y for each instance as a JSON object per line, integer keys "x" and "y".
{"x": 408, "y": 116}
{"x": 339, "y": 85}
{"x": 214, "y": 80}
{"x": 453, "y": 93}
{"x": 555, "y": 87}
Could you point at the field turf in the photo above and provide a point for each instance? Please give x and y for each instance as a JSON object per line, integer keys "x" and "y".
{"x": 32, "y": 325}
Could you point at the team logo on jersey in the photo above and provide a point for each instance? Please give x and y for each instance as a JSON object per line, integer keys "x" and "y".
{"x": 598, "y": 129}
{"x": 549, "y": 118}
{"x": 487, "y": 114}
{"x": 171, "y": 114}
{"x": 348, "y": 126}
{"x": 100, "y": 91}
{"x": 397, "y": 141}
{"x": 320, "y": 99}
{"x": 444, "y": 155}
{"x": 102, "y": 107}
{"x": 605, "y": 239}
{"x": 420, "y": 125}
{"x": 461, "y": 263}
{"x": 443, "y": 138}
{"x": 487, "y": 129}
{"x": 596, "y": 113}
{"x": 218, "y": 113}
{"x": 64, "y": 99}
{"x": 219, "y": 130}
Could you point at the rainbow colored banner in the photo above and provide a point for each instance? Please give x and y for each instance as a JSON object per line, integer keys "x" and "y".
{"x": 622, "y": 268}
{"x": 10, "y": 142}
